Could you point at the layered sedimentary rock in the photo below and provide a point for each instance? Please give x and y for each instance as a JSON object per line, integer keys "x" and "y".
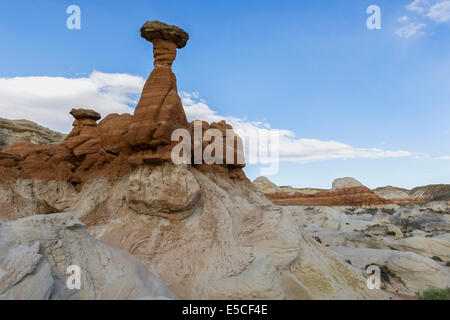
{"x": 390, "y": 192}
{"x": 437, "y": 192}
{"x": 266, "y": 186}
{"x": 344, "y": 192}
{"x": 410, "y": 243}
{"x": 345, "y": 183}
{"x": 17, "y": 131}
{"x": 119, "y": 143}
{"x": 350, "y": 192}
{"x": 204, "y": 228}
{"x": 355, "y": 196}
{"x": 207, "y": 236}
{"x": 36, "y": 252}
{"x": 159, "y": 111}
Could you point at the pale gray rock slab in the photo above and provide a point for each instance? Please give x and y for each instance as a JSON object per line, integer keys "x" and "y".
{"x": 35, "y": 253}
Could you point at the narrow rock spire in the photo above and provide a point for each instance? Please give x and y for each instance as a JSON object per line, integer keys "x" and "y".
{"x": 159, "y": 111}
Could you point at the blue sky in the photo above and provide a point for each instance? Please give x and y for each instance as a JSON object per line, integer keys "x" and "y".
{"x": 311, "y": 67}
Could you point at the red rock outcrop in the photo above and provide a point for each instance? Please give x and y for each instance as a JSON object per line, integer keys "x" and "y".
{"x": 119, "y": 143}
{"x": 345, "y": 192}
{"x": 355, "y": 196}
{"x": 159, "y": 111}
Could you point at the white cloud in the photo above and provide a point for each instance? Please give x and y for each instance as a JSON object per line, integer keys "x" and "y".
{"x": 48, "y": 100}
{"x": 437, "y": 11}
{"x": 291, "y": 148}
{"x": 411, "y": 30}
{"x": 440, "y": 12}
{"x": 418, "y": 5}
{"x": 443, "y": 158}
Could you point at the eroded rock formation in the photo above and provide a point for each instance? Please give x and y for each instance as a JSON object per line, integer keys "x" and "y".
{"x": 345, "y": 183}
{"x": 159, "y": 111}
{"x": 119, "y": 143}
{"x": 35, "y": 253}
{"x": 411, "y": 243}
{"x": 344, "y": 192}
{"x": 207, "y": 236}
{"x": 355, "y": 196}
{"x": 436, "y": 192}
{"x": 390, "y": 192}
{"x": 204, "y": 229}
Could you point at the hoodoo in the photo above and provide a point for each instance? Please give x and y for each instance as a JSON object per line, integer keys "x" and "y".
{"x": 159, "y": 111}
{"x": 119, "y": 143}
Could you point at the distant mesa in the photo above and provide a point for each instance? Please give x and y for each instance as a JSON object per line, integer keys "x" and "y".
{"x": 345, "y": 192}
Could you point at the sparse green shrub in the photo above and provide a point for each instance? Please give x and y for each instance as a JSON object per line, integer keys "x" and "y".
{"x": 386, "y": 273}
{"x": 371, "y": 211}
{"x": 388, "y": 211}
{"x": 390, "y": 233}
{"x": 434, "y": 294}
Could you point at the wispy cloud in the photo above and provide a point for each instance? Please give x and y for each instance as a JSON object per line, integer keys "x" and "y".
{"x": 411, "y": 30}
{"x": 48, "y": 100}
{"x": 423, "y": 11}
{"x": 440, "y": 12}
{"x": 418, "y": 6}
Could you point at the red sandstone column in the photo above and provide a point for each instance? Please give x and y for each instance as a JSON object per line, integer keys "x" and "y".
{"x": 159, "y": 111}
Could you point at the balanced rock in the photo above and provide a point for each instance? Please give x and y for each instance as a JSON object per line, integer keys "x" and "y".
{"x": 84, "y": 139}
{"x": 85, "y": 114}
{"x": 159, "y": 111}
{"x": 152, "y": 30}
{"x": 85, "y": 117}
{"x": 120, "y": 142}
